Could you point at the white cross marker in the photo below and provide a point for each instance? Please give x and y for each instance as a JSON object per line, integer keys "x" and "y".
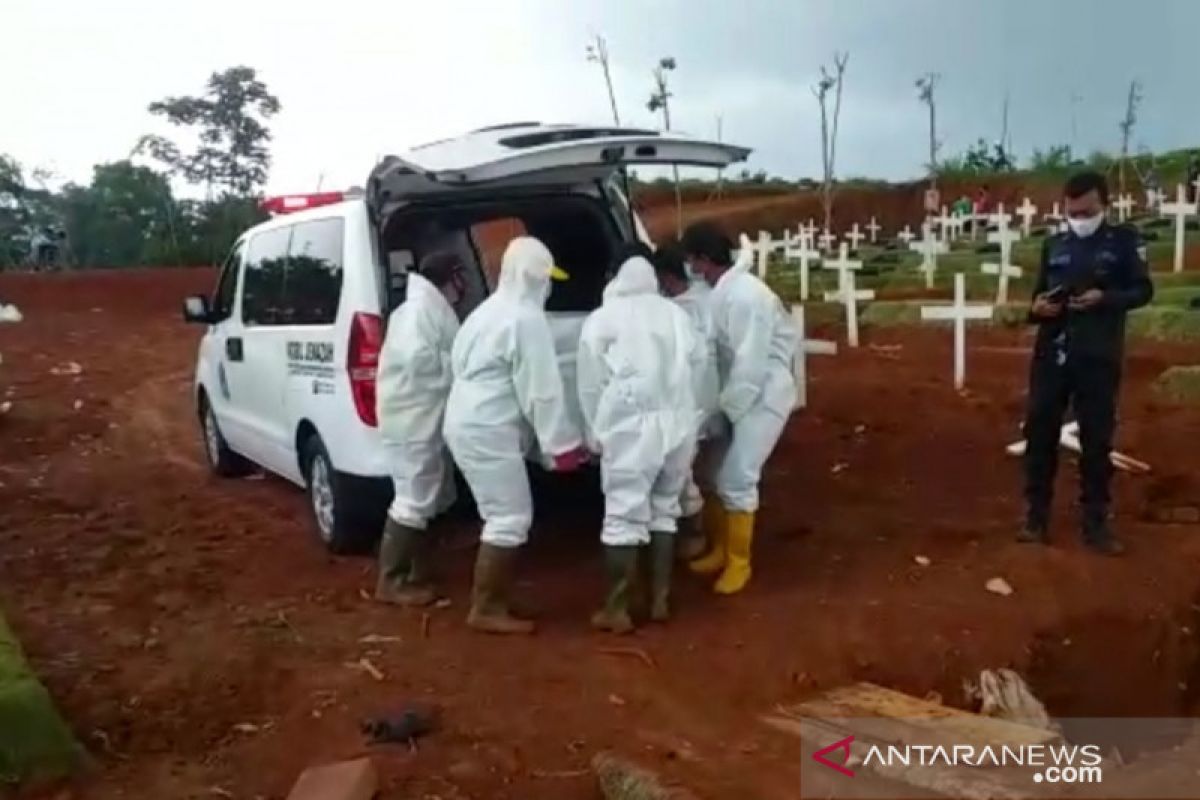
{"x": 1000, "y": 219}
{"x": 826, "y": 239}
{"x": 762, "y": 254}
{"x": 1154, "y": 199}
{"x": 846, "y": 294}
{"x": 1055, "y": 218}
{"x": 1026, "y": 211}
{"x": 874, "y": 229}
{"x": 906, "y": 235}
{"x": 959, "y": 313}
{"x": 855, "y": 236}
{"x": 1123, "y": 204}
{"x": 946, "y": 225}
{"x": 804, "y": 348}
{"x": 803, "y": 254}
{"x": 1004, "y": 271}
{"x": 929, "y": 248}
{"x": 1181, "y": 209}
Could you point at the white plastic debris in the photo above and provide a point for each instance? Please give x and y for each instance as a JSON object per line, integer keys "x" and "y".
{"x": 69, "y": 368}
{"x": 10, "y": 313}
{"x": 6, "y": 407}
{"x": 923, "y": 561}
{"x": 1005, "y": 695}
{"x": 998, "y": 586}
{"x": 78, "y": 404}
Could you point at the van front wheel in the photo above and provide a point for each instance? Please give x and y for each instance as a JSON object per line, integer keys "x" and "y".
{"x": 329, "y": 500}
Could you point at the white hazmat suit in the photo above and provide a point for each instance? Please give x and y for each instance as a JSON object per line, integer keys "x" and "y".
{"x": 636, "y": 365}
{"x": 706, "y": 384}
{"x": 507, "y": 390}
{"x": 413, "y": 382}
{"x": 755, "y": 345}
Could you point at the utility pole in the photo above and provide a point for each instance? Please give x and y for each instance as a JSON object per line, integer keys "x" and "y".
{"x": 1127, "y": 124}
{"x": 926, "y": 88}
{"x": 660, "y": 101}
{"x": 597, "y": 52}
{"x": 1076, "y": 99}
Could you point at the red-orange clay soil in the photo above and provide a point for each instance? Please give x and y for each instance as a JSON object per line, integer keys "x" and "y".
{"x": 203, "y": 645}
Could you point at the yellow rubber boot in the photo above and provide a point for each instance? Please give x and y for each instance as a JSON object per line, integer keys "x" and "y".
{"x": 740, "y": 533}
{"x": 715, "y": 524}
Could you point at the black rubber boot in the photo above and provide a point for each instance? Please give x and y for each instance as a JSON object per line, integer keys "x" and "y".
{"x": 403, "y": 569}
{"x": 1098, "y": 535}
{"x": 689, "y": 540}
{"x": 489, "y": 595}
{"x": 662, "y": 563}
{"x": 621, "y": 564}
{"x": 1035, "y": 530}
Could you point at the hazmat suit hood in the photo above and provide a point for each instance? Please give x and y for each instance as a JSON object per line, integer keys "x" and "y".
{"x": 526, "y": 271}
{"x": 636, "y": 276}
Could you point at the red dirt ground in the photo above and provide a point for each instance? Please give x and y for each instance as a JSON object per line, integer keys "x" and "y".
{"x": 202, "y": 644}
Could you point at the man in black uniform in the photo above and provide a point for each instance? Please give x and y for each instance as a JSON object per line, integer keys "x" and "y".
{"x": 1090, "y": 277}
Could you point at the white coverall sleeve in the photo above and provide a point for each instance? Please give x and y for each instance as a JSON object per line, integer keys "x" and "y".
{"x": 539, "y": 387}
{"x": 749, "y": 337}
{"x": 591, "y": 374}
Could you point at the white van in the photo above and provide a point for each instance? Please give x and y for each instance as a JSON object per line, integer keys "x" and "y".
{"x": 285, "y": 377}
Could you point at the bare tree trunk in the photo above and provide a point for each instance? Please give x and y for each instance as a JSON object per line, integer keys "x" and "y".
{"x": 932, "y": 144}
{"x": 826, "y": 195}
{"x": 840, "y": 65}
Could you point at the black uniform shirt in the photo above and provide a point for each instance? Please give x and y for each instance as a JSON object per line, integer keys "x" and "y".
{"x": 1110, "y": 260}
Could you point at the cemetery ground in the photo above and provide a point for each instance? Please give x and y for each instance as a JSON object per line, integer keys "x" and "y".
{"x": 202, "y": 645}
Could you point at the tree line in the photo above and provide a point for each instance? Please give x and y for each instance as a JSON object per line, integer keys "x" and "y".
{"x": 129, "y": 215}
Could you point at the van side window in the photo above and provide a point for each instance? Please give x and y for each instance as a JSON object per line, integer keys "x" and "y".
{"x": 313, "y": 285}
{"x": 222, "y": 305}
{"x": 266, "y": 270}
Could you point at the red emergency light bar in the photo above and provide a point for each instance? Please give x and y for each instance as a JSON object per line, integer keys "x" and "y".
{"x": 287, "y": 203}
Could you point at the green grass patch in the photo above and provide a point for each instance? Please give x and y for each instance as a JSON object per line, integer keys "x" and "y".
{"x": 1175, "y": 295}
{"x": 1165, "y": 323}
{"x": 1179, "y": 385}
{"x": 35, "y": 743}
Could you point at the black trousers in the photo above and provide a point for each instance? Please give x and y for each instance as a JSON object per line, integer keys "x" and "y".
{"x": 1089, "y": 384}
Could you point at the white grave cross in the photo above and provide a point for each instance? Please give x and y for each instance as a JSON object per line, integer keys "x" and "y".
{"x": 803, "y": 254}
{"x": 1000, "y": 219}
{"x": 855, "y": 236}
{"x": 874, "y": 229}
{"x": 1026, "y": 211}
{"x": 946, "y": 223}
{"x": 1055, "y": 218}
{"x": 826, "y": 239}
{"x": 846, "y": 294}
{"x": 1123, "y": 205}
{"x": 1181, "y": 209}
{"x": 929, "y": 248}
{"x": 1005, "y": 271}
{"x": 805, "y": 348}
{"x": 958, "y": 313}
{"x": 906, "y": 235}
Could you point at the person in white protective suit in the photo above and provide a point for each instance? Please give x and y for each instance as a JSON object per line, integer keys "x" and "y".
{"x": 411, "y": 389}
{"x": 755, "y": 345}
{"x": 635, "y": 364}
{"x": 508, "y": 395}
{"x": 693, "y": 295}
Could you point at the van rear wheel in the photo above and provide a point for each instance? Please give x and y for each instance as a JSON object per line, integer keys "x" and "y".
{"x": 331, "y": 502}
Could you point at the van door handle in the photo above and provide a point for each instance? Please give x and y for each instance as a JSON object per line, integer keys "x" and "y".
{"x": 233, "y": 348}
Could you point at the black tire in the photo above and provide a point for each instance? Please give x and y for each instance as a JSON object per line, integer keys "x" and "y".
{"x": 332, "y": 503}
{"x": 221, "y": 460}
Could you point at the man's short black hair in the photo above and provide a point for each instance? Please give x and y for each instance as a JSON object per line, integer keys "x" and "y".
{"x": 439, "y": 268}
{"x": 630, "y": 250}
{"x": 1081, "y": 183}
{"x": 669, "y": 259}
{"x": 707, "y": 240}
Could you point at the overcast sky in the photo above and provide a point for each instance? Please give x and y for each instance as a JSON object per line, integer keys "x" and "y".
{"x": 358, "y": 80}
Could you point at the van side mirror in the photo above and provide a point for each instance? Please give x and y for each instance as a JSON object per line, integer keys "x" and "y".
{"x": 196, "y": 310}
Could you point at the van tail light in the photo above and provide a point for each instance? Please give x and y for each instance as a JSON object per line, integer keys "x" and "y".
{"x": 362, "y": 362}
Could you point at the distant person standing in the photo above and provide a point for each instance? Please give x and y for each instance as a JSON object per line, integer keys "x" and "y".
{"x": 1090, "y": 277}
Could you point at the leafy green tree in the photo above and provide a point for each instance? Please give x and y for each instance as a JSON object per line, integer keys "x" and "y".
{"x": 125, "y": 217}
{"x": 230, "y": 123}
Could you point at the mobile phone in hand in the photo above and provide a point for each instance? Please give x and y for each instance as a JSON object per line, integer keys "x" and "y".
{"x": 1057, "y": 295}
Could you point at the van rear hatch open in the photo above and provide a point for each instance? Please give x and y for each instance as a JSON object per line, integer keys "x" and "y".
{"x": 532, "y": 154}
